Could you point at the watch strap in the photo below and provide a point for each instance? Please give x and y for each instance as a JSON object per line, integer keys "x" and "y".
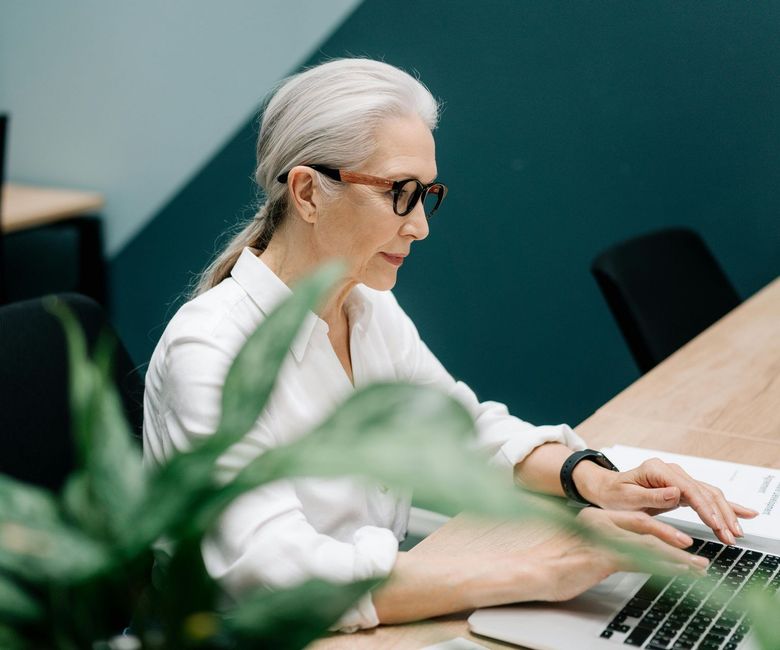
{"x": 567, "y": 482}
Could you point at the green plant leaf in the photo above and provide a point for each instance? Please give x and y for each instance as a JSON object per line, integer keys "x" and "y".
{"x": 762, "y": 608}
{"x": 415, "y": 438}
{"x": 46, "y": 552}
{"x": 253, "y": 373}
{"x": 113, "y": 482}
{"x": 81, "y": 377}
{"x": 178, "y": 488}
{"x": 26, "y": 502}
{"x": 293, "y": 618}
{"x": 115, "y": 466}
{"x": 79, "y": 506}
{"x": 16, "y": 605}
{"x": 402, "y": 435}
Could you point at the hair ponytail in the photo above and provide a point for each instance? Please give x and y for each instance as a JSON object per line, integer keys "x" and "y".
{"x": 255, "y": 234}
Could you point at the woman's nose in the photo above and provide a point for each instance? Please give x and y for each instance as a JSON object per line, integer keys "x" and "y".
{"x": 416, "y": 223}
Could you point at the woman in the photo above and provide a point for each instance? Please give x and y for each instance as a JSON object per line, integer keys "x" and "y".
{"x": 346, "y": 162}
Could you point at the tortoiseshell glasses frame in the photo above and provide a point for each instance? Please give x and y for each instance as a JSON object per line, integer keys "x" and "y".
{"x": 420, "y": 191}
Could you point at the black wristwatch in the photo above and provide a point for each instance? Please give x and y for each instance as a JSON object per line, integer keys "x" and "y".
{"x": 572, "y": 461}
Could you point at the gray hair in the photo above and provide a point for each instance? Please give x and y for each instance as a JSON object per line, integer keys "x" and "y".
{"x": 327, "y": 114}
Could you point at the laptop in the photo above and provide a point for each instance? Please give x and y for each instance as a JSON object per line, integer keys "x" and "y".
{"x": 663, "y": 612}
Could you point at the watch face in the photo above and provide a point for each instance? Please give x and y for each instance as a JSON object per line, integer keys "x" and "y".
{"x": 599, "y": 458}
{"x": 605, "y": 462}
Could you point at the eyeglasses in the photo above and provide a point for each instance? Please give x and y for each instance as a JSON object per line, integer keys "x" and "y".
{"x": 406, "y": 192}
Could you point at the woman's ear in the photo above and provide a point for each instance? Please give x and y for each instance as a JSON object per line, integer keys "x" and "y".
{"x": 305, "y": 196}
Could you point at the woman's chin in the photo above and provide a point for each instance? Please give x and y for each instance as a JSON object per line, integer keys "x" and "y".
{"x": 385, "y": 282}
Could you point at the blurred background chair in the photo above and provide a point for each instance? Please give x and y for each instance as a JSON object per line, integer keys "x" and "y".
{"x": 36, "y": 444}
{"x": 51, "y": 240}
{"x": 64, "y": 256}
{"x": 663, "y": 289}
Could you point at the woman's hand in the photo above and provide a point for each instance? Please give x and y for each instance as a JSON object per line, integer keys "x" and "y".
{"x": 423, "y": 584}
{"x": 572, "y": 565}
{"x": 656, "y": 486}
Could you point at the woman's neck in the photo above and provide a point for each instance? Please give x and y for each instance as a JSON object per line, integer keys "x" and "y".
{"x": 292, "y": 263}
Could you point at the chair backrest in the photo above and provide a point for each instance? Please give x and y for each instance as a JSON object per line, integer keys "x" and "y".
{"x": 36, "y": 444}
{"x": 663, "y": 289}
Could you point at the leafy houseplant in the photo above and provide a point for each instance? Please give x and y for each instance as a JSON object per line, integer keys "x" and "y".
{"x": 75, "y": 567}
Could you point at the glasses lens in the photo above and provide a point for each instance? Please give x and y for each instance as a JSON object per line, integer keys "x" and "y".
{"x": 433, "y": 198}
{"x": 407, "y": 197}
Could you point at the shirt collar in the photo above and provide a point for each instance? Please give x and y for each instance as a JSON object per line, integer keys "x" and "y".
{"x": 266, "y": 290}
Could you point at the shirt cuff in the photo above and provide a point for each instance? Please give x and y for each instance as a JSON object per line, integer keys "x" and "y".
{"x": 376, "y": 549}
{"x": 518, "y": 447}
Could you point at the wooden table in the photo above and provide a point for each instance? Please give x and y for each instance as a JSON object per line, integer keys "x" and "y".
{"x": 718, "y": 396}
{"x": 27, "y": 206}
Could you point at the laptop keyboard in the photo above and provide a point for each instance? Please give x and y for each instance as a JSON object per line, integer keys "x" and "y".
{"x": 685, "y": 612}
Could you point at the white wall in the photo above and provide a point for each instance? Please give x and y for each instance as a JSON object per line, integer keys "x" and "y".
{"x": 131, "y": 98}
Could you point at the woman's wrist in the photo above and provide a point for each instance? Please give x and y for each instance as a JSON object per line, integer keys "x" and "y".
{"x": 590, "y": 480}
{"x": 514, "y": 578}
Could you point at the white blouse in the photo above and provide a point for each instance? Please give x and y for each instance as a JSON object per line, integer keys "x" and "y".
{"x": 286, "y": 532}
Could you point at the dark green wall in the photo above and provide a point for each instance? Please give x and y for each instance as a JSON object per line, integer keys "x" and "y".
{"x": 567, "y": 126}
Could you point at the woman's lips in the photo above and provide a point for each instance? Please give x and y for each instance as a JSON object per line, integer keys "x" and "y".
{"x": 395, "y": 260}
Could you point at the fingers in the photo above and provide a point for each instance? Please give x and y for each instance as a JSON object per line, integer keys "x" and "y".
{"x": 639, "y": 522}
{"x": 713, "y": 510}
{"x": 711, "y": 505}
{"x": 676, "y": 555}
{"x": 743, "y": 512}
{"x": 707, "y": 500}
{"x": 662, "y": 542}
{"x": 638, "y": 497}
{"x": 727, "y": 512}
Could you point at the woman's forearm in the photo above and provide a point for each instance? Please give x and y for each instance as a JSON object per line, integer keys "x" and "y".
{"x": 422, "y": 586}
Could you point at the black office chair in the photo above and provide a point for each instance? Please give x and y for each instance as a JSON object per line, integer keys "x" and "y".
{"x": 663, "y": 289}
{"x": 36, "y": 444}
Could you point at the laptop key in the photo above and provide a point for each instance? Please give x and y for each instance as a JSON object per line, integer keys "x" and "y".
{"x": 710, "y": 550}
{"x": 619, "y": 627}
{"x": 721, "y": 630}
{"x": 662, "y": 639}
{"x": 653, "y": 587}
{"x": 638, "y": 636}
{"x": 639, "y": 603}
{"x": 632, "y": 612}
{"x": 682, "y": 645}
{"x": 697, "y": 543}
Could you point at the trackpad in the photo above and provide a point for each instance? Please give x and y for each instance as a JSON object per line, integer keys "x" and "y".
{"x": 551, "y": 626}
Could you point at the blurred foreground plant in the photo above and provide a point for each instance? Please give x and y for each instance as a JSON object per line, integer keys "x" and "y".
{"x": 74, "y": 568}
